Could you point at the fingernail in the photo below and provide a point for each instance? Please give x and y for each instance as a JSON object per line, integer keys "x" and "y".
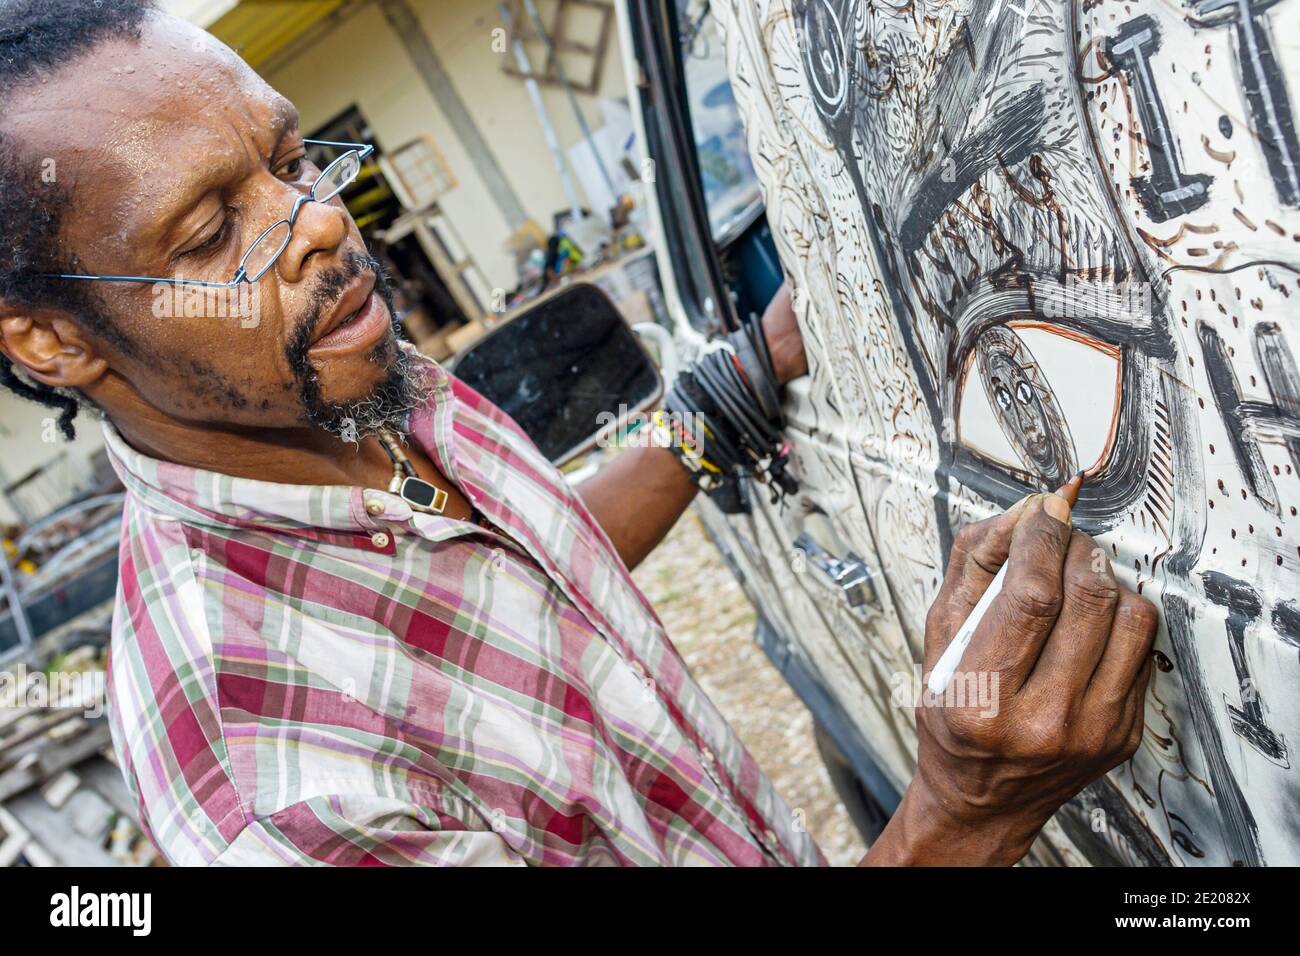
{"x": 1070, "y": 490}
{"x": 1057, "y": 507}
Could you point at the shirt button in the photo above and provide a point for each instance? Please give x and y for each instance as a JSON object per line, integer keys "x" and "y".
{"x": 196, "y": 554}
{"x": 708, "y": 756}
{"x": 379, "y": 539}
{"x": 769, "y": 836}
{"x": 374, "y": 506}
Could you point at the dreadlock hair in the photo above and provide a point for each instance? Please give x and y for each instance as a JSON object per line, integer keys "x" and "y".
{"x": 38, "y": 37}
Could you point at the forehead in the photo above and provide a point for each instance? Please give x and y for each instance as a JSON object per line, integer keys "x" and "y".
{"x": 124, "y": 114}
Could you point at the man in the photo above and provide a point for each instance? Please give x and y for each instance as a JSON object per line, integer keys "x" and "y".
{"x": 303, "y": 668}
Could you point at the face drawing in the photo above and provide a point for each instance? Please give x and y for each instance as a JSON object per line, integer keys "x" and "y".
{"x": 1057, "y": 236}
{"x": 1026, "y": 411}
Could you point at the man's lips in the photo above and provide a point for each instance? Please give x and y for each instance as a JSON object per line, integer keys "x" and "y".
{"x": 359, "y": 318}
{"x": 353, "y": 298}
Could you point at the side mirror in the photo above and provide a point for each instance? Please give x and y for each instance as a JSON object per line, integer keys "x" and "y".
{"x": 569, "y": 370}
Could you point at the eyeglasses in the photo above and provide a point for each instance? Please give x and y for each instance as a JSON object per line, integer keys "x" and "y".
{"x": 268, "y": 247}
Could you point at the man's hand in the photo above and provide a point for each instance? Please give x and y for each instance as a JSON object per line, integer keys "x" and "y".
{"x": 1071, "y": 650}
{"x": 784, "y": 341}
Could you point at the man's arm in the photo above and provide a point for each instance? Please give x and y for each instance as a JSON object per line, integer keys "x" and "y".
{"x": 638, "y": 497}
{"x": 1070, "y": 648}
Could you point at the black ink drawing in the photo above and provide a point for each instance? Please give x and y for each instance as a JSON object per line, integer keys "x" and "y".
{"x": 971, "y": 192}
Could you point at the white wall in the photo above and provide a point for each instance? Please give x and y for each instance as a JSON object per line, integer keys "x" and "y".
{"x": 26, "y": 441}
{"x": 364, "y": 63}
{"x": 461, "y": 33}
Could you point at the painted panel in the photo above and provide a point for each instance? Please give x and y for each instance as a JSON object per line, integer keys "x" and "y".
{"x": 1033, "y": 237}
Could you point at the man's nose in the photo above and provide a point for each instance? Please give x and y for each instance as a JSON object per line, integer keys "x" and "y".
{"x": 320, "y": 228}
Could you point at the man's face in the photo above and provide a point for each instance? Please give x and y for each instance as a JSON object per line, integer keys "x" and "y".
{"x": 176, "y": 157}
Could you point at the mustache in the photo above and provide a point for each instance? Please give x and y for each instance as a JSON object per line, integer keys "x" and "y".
{"x": 392, "y": 400}
{"x": 329, "y": 288}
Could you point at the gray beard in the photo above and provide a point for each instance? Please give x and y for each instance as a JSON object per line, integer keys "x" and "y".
{"x": 388, "y": 406}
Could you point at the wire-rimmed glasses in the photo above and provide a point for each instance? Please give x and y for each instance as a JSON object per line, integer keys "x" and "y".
{"x": 270, "y": 245}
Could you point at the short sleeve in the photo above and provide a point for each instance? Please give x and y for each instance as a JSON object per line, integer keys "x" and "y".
{"x": 362, "y": 830}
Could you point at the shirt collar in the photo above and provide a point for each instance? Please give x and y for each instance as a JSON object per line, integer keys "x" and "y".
{"x": 199, "y": 496}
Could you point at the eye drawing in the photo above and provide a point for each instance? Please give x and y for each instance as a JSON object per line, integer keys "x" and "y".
{"x": 1024, "y": 406}
{"x": 1042, "y": 413}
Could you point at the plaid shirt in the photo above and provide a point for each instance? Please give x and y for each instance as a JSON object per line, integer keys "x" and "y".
{"x": 294, "y": 679}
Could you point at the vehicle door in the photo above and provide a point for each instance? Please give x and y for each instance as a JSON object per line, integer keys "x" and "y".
{"x": 1041, "y": 238}
{"x": 810, "y": 561}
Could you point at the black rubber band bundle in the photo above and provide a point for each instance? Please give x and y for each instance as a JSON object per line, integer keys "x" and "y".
{"x": 724, "y": 419}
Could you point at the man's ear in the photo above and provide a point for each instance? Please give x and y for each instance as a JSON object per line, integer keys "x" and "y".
{"x": 51, "y": 348}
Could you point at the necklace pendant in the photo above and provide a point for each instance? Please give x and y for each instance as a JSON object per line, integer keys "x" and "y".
{"x": 422, "y": 496}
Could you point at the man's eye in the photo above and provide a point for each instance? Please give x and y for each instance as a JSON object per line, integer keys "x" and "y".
{"x": 215, "y": 241}
{"x": 293, "y": 168}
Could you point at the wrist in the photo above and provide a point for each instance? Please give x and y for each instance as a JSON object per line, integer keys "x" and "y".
{"x": 784, "y": 341}
{"x": 788, "y": 359}
{"x": 924, "y": 832}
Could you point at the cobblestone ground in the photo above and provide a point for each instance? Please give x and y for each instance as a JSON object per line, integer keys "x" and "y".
{"x": 711, "y": 621}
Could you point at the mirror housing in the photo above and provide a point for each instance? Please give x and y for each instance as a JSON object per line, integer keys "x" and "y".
{"x": 567, "y": 368}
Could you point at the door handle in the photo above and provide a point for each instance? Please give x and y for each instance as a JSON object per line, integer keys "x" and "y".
{"x": 848, "y": 576}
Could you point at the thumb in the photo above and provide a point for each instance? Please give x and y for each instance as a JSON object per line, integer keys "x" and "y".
{"x": 1010, "y": 638}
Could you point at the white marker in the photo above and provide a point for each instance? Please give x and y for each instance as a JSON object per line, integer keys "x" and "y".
{"x": 950, "y": 660}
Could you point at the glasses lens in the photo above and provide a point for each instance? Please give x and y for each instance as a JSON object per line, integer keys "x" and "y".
{"x": 266, "y": 250}
{"x": 337, "y": 175}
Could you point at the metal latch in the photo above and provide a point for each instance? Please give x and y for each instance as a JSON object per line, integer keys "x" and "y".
{"x": 848, "y": 576}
